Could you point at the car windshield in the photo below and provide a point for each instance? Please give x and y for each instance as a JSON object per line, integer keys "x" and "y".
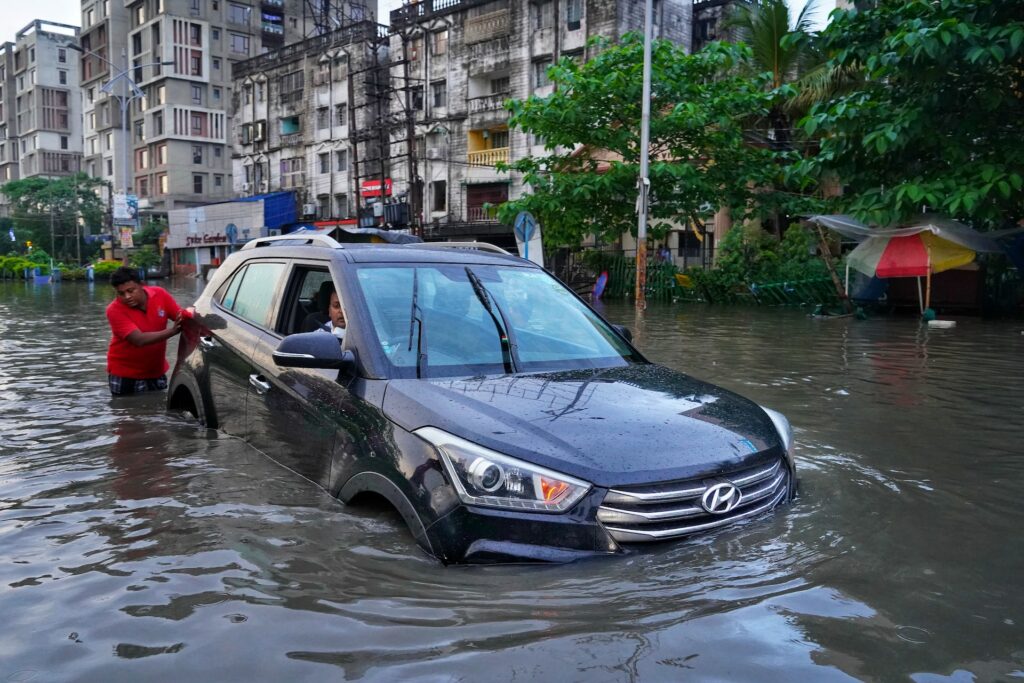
{"x": 534, "y": 322}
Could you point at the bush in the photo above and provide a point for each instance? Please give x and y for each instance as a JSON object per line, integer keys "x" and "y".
{"x": 103, "y": 269}
{"x": 144, "y": 257}
{"x": 14, "y": 266}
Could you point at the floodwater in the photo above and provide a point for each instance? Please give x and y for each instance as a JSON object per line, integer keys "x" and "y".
{"x": 137, "y": 546}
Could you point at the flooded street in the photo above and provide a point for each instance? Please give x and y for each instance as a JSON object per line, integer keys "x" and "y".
{"x": 139, "y": 546}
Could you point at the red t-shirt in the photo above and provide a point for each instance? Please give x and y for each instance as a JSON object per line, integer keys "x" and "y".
{"x": 140, "y": 362}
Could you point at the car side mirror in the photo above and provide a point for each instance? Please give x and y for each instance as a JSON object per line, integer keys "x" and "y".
{"x": 625, "y": 332}
{"x": 318, "y": 349}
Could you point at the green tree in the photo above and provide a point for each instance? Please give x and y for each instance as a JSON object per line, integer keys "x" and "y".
{"x": 39, "y": 203}
{"x": 934, "y": 123}
{"x": 700, "y": 155}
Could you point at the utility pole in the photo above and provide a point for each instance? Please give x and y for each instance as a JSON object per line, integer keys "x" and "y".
{"x": 52, "y": 247}
{"x": 644, "y": 183}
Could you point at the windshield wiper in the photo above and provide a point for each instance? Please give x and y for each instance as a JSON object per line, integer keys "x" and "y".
{"x": 509, "y": 347}
{"x": 416, "y": 316}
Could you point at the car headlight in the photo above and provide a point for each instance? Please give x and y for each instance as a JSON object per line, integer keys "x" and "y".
{"x": 782, "y": 427}
{"x": 485, "y": 477}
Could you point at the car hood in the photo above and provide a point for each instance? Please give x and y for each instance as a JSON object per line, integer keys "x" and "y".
{"x": 612, "y": 427}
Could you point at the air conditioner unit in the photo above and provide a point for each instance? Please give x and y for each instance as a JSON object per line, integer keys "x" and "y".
{"x": 246, "y": 187}
{"x": 433, "y": 153}
{"x": 265, "y": 186}
{"x": 273, "y": 232}
{"x": 309, "y": 209}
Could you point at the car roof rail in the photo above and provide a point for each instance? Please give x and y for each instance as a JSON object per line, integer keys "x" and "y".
{"x": 482, "y": 246}
{"x": 293, "y": 240}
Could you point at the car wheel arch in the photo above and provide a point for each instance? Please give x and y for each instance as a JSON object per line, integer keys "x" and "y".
{"x": 376, "y": 483}
{"x": 184, "y": 390}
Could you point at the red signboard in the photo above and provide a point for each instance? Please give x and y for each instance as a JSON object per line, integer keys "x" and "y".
{"x": 371, "y": 188}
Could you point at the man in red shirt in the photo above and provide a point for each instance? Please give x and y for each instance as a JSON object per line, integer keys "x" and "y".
{"x": 139, "y": 318}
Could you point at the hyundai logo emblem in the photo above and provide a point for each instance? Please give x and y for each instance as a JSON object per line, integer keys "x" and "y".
{"x": 720, "y": 498}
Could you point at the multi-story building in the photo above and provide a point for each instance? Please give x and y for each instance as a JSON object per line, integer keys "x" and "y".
{"x": 40, "y": 111}
{"x": 305, "y": 119}
{"x": 460, "y": 60}
{"x": 175, "y": 148}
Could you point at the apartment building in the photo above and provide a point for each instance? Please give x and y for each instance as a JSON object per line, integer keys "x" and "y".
{"x": 40, "y": 111}
{"x": 306, "y": 119}
{"x": 174, "y": 150}
{"x": 461, "y": 59}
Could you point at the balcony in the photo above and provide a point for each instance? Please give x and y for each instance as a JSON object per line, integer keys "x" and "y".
{"x": 487, "y": 26}
{"x": 488, "y": 157}
{"x": 275, "y": 29}
{"x": 493, "y": 102}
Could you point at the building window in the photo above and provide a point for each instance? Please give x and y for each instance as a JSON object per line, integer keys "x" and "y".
{"x": 543, "y": 14}
{"x": 239, "y": 43}
{"x": 324, "y": 205}
{"x": 62, "y": 76}
{"x": 439, "y": 93}
{"x": 238, "y": 14}
{"x": 62, "y": 55}
{"x": 197, "y": 183}
{"x": 573, "y": 14}
{"x": 339, "y": 114}
{"x": 194, "y": 7}
{"x": 63, "y": 141}
{"x": 439, "y": 42}
{"x": 197, "y": 94}
{"x": 341, "y": 205}
{"x": 291, "y": 172}
{"x": 216, "y": 94}
{"x": 247, "y": 94}
{"x": 158, "y": 124}
{"x": 218, "y": 180}
{"x": 198, "y": 122}
{"x": 110, "y": 167}
{"x": 323, "y": 118}
{"x": 161, "y": 181}
{"x": 440, "y": 196}
{"x": 197, "y": 154}
{"x": 143, "y": 160}
{"x": 215, "y": 33}
{"x": 218, "y": 152}
{"x": 290, "y": 125}
{"x": 216, "y": 63}
{"x": 500, "y": 86}
{"x": 341, "y": 159}
{"x": 417, "y": 97}
{"x": 161, "y": 154}
{"x": 143, "y": 187}
{"x": 195, "y": 65}
{"x": 325, "y": 162}
{"x": 540, "y": 73}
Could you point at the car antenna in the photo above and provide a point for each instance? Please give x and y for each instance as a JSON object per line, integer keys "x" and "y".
{"x": 416, "y": 316}
{"x": 509, "y": 347}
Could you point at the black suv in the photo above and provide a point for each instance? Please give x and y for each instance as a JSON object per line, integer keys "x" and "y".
{"x": 500, "y": 415}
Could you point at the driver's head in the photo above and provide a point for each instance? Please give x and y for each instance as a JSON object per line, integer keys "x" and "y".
{"x": 334, "y": 310}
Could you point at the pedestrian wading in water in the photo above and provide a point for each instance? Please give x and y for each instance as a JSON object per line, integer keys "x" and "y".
{"x": 141, "y": 319}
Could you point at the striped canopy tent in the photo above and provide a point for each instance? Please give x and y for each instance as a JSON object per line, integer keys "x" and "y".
{"x": 929, "y": 245}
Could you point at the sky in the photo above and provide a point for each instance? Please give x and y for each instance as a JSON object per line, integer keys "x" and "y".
{"x": 16, "y": 14}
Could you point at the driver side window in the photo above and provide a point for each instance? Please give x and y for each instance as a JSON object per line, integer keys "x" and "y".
{"x": 307, "y": 300}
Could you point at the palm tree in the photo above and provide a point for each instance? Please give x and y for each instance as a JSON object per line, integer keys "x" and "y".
{"x": 786, "y": 52}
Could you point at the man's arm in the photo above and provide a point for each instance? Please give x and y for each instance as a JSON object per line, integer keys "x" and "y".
{"x": 140, "y": 338}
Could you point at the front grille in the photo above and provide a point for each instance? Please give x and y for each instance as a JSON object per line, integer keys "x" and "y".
{"x": 655, "y": 512}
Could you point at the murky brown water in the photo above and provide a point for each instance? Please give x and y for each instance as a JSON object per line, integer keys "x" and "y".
{"x": 136, "y": 546}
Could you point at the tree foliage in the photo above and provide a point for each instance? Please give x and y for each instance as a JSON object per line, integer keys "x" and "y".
{"x": 700, "y": 154}
{"x": 35, "y": 200}
{"x": 935, "y": 120}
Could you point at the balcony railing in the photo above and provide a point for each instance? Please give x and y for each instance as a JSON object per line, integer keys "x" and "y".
{"x": 273, "y": 28}
{"x": 487, "y": 102}
{"x": 487, "y": 26}
{"x": 488, "y": 157}
{"x": 478, "y": 214}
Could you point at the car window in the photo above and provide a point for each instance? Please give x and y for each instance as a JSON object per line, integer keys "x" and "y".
{"x": 552, "y": 328}
{"x": 255, "y": 293}
{"x": 305, "y": 306}
{"x": 226, "y": 295}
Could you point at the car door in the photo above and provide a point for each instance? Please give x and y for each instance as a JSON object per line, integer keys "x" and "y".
{"x": 231, "y": 330}
{"x": 291, "y": 413}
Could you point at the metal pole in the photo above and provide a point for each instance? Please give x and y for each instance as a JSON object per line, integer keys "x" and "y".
{"x": 52, "y": 247}
{"x": 644, "y": 182}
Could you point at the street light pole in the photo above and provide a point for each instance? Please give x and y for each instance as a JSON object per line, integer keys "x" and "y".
{"x": 644, "y": 182}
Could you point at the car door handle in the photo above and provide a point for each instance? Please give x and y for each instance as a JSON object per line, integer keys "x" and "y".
{"x": 207, "y": 342}
{"x": 261, "y": 384}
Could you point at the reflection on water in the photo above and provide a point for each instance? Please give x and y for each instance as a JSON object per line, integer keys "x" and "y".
{"x": 140, "y": 546}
